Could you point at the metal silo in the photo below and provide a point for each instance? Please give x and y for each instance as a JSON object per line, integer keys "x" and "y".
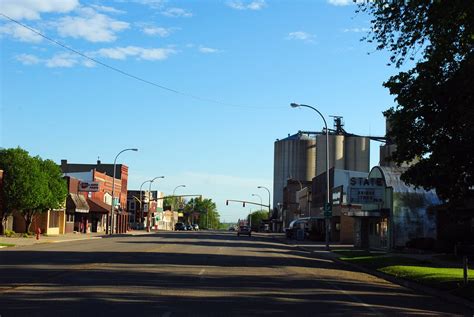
{"x": 294, "y": 157}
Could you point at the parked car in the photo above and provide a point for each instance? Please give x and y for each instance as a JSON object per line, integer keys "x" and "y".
{"x": 294, "y": 226}
{"x": 195, "y": 226}
{"x": 179, "y": 226}
{"x": 245, "y": 230}
{"x": 189, "y": 227}
{"x": 231, "y": 228}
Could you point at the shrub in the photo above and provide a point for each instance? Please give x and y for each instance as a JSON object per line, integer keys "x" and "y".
{"x": 9, "y": 233}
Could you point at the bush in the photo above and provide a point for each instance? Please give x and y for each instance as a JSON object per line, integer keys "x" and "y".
{"x": 9, "y": 233}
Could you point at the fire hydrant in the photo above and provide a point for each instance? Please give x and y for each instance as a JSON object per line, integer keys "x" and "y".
{"x": 38, "y": 232}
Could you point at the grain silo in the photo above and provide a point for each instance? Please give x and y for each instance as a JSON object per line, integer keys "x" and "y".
{"x": 302, "y": 156}
{"x": 294, "y": 157}
{"x": 346, "y": 152}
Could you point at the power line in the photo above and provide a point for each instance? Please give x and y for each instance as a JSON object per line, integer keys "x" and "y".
{"x": 127, "y": 73}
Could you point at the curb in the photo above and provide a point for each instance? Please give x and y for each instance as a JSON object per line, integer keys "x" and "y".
{"x": 390, "y": 278}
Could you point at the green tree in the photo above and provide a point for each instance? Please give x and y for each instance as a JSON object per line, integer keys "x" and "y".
{"x": 22, "y": 181}
{"x": 256, "y": 218}
{"x": 432, "y": 121}
{"x": 208, "y": 216}
{"x": 30, "y": 184}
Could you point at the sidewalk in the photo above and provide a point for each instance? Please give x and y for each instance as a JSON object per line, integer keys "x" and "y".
{"x": 318, "y": 248}
{"x": 17, "y": 242}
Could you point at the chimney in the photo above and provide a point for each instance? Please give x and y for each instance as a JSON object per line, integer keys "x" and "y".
{"x": 64, "y": 166}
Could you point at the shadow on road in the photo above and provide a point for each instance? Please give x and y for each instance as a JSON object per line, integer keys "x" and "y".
{"x": 179, "y": 284}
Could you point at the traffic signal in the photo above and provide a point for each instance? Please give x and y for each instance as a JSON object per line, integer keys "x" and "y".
{"x": 243, "y": 204}
{"x": 227, "y": 203}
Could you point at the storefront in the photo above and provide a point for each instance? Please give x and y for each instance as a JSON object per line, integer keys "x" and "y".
{"x": 97, "y": 216}
{"x": 392, "y": 213}
{"x": 77, "y": 211}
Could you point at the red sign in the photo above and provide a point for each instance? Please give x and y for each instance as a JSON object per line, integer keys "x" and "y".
{"x": 88, "y": 187}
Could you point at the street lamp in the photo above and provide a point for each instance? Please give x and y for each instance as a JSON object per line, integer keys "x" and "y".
{"x": 295, "y": 105}
{"x": 174, "y": 190}
{"x": 149, "y": 202}
{"x": 258, "y": 197}
{"x": 268, "y": 198}
{"x": 113, "y": 192}
{"x": 141, "y": 206}
{"x": 135, "y": 215}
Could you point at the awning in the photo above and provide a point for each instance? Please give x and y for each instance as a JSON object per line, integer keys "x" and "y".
{"x": 77, "y": 203}
{"x": 98, "y": 206}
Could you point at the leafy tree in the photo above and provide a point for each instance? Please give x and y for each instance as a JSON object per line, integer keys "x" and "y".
{"x": 208, "y": 215}
{"x": 56, "y": 189}
{"x": 256, "y": 218}
{"x": 30, "y": 184}
{"x": 432, "y": 122}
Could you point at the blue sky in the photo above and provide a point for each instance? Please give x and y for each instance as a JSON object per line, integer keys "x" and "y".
{"x": 236, "y": 66}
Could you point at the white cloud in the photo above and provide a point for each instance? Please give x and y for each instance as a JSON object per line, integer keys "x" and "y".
{"x": 106, "y": 9}
{"x": 301, "y": 36}
{"x": 61, "y": 60}
{"x": 208, "y": 50}
{"x": 20, "y": 33}
{"x": 357, "y": 30}
{"x": 154, "y": 4}
{"x": 176, "y": 13}
{"x": 150, "y": 54}
{"x": 28, "y": 59}
{"x": 241, "y": 5}
{"x": 90, "y": 25}
{"x": 31, "y": 9}
{"x": 161, "y": 32}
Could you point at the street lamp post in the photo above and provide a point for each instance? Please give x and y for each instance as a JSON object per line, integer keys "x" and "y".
{"x": 269, "y": 213}
{"x": 141, "y": 206}
{"x": 295, "y": 105}
{"x": 111, "y": 218}
{"x": 174, "y": 198}
{"x": 258, "y": 197}
{"x": 135, "y": 216}
{"x": 149, "y": 202}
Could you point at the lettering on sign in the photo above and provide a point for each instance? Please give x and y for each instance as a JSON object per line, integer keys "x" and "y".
{"x": 369, "y": 182}
{"x": 366, "y": 195}
{"x": 337, "y": 195}
{"x": 88, "y": 187}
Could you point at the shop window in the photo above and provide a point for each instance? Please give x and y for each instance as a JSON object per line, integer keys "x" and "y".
{"x": 54, "y": 219}
{"x": 69, "y": 217}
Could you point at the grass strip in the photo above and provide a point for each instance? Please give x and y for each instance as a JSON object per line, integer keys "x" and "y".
{"x": 420, "y": 271}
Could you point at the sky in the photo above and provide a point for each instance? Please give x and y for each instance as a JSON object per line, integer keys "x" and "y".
{"x": 201, "y": 88}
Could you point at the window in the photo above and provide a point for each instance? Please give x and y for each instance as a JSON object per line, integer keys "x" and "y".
{"x": 131, "y": 205}
{"x": 53, "y": 219}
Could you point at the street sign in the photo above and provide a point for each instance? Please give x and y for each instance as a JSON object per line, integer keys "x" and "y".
{"x": 327, "y": 207}
{"x": 327, "y": 210}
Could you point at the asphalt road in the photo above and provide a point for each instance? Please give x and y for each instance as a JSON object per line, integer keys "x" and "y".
{"x": 195, "y": 274}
